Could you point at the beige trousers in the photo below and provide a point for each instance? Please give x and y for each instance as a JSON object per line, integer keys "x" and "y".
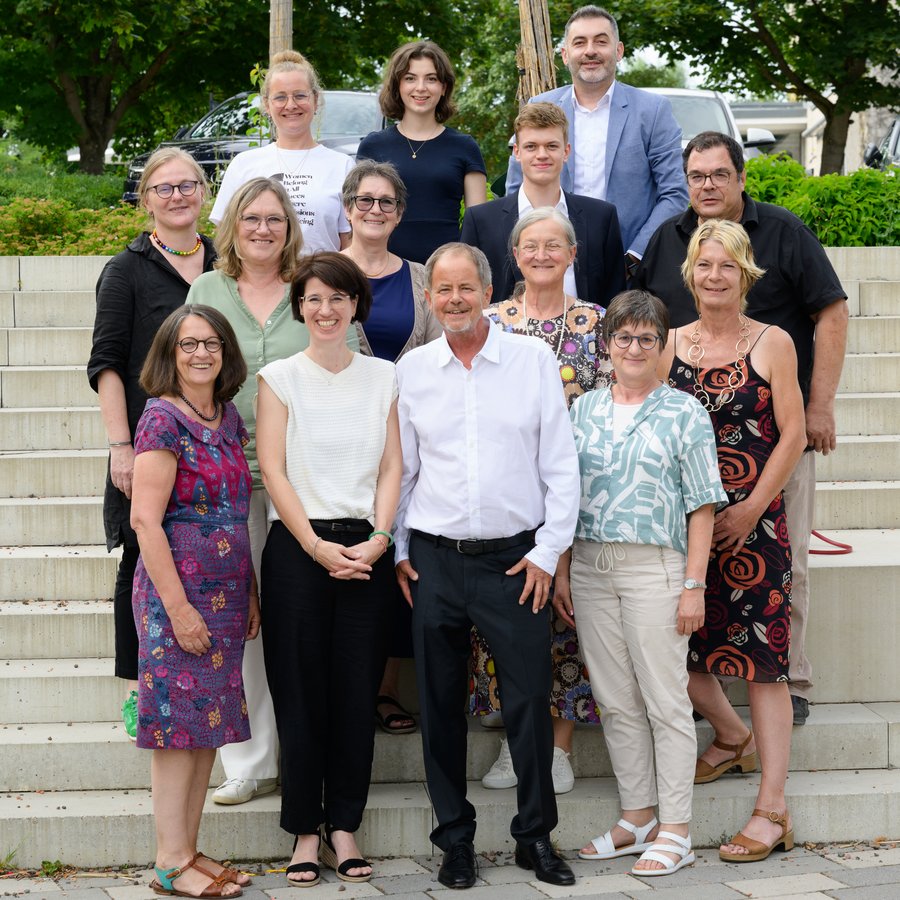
{"x": 626, "y": 600}
{"x": 799, "y": 503}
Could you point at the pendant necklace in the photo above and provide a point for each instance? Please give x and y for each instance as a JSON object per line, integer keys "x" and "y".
{"x": 296, "y": 169}
{"x": 211, "y": 418}
{"x": 528, "y": 329}
{"x": 736, "y": 378}
{"x": 415, "y": 151}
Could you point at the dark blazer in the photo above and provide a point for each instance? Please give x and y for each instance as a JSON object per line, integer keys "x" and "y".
{"x": 599, "y": 264}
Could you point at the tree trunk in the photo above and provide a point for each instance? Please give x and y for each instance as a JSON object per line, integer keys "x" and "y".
{"x": 281, "y": 26}
{"x": 834, "y": 142}
{"x": 534, "y": 56}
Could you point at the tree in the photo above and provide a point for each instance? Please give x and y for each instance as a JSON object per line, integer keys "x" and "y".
{"x": 825, "y": 51}
{"x": 640, "y": 73}
{"x": 71, "y": 70}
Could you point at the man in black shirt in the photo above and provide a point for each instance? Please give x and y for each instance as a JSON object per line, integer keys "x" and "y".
{"x": 800, "y": 293}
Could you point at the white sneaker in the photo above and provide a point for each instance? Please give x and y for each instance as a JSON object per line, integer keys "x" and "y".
{"x": 563, "y": 776}
{"x": 493, "y": 719}
{"x": 240, "y": 790}
{"x": 501, "y": 774}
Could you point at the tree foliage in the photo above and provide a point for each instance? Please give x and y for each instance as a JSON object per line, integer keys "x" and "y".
{"x": 826, "y": 51}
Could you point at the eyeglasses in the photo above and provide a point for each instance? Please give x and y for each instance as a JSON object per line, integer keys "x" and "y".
{"x": 189, "y": 345}
{"x": 185, "y": 188}
{"x": 364, "y": 204}
{"x": 551, "y": 247}
{"x": 298, "y": 97}
{"x": 717, "y": 179}
{"x": 645, "y": 341}
{"x": 273, "y": 223}
{"x": 336, "y": 300}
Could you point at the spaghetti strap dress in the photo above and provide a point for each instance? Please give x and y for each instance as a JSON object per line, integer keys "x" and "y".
{"x": 748, "y": 596}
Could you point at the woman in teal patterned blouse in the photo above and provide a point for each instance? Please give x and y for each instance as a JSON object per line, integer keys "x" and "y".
{"x": 650, "y": 485}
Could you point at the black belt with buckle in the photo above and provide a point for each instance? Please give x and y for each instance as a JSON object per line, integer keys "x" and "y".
{"x": 474, "y": 547}
{"x": 342, "y": 526}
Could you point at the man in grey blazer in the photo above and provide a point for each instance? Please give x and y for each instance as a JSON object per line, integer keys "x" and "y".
{"x": 542, "y": 146}
{"x": 626, "y": 144}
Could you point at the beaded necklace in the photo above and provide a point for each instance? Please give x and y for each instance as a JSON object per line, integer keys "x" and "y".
{"x": 172, "y": 250}
{"x": 211, "y": 418}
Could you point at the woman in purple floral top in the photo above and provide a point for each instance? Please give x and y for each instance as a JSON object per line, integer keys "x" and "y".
{"x": 194, "y": 593}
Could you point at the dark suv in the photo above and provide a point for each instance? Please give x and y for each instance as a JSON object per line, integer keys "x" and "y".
{"x": 888, "y": 152}
{"x": 345, "y": 118}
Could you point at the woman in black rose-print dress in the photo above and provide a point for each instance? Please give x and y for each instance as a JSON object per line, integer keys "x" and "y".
{"x": 744, "y": 373}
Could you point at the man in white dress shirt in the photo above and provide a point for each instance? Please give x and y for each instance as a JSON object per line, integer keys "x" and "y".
{"x": 488, "y": 503}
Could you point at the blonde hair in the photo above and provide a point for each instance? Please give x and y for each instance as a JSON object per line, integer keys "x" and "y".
{"x": 160, "y": 158}
{"x": 736, "y": 242}
{"x": 290, "y": 61}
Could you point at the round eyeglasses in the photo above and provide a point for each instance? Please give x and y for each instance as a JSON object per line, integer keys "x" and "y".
{"x": 185, "y": 188}
{"x": 364, "y": 204}
{"x": 190, "y": 345}
{"x": 645, "y": 341}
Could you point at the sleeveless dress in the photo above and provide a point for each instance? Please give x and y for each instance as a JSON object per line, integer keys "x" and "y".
{"x": 577, "y": 340}
{"x": 191, "y": 702}
{"x": 748, "y": 596}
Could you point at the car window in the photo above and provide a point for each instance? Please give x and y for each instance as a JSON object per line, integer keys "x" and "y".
{"x": 696, "y": 114}
{"x": 349, "y": 114}
{"x": 229, "y": 118}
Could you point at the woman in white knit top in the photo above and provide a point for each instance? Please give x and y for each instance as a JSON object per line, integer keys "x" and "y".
{"x": 328, "y": 445}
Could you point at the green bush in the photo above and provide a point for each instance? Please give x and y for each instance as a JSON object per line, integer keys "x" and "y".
{"x": 858, "y": 210}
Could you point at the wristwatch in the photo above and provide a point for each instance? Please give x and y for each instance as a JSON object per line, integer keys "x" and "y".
{"x": 692, "y": 583}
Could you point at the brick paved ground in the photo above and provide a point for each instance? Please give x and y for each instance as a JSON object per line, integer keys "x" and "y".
{"x": 869, "y": 872}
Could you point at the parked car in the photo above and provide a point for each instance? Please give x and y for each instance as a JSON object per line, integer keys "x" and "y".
{"x": 345, "y": 118}
{"x": 697, "y": 110}
{"x": 887, "y": 153}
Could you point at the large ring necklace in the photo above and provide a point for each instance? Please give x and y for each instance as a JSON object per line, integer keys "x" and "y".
{"x": 736, "y": 379}
{"x": 211, "y": 418}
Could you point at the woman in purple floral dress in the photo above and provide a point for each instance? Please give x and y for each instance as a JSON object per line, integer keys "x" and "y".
{"x": 194, "y": 591}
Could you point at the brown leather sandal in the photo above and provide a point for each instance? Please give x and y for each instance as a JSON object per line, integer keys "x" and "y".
{"x": 758, "y": 850}
{"x": 705, "y": 773}
{"x": 231, "y": 874}
{"x": 163, "y": 883}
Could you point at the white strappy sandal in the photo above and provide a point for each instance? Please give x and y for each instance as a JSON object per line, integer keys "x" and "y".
{"x": 605, "y": 848}
{"x": 680, "y": 846}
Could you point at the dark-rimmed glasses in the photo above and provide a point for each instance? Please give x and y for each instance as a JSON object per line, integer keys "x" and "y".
{"x": 718, "y": 179}
{"x": 364, "y": 203}
{"x": 185, "y": 188}
{"x": 645, "y": 341}
{"x": 190, "y": 345}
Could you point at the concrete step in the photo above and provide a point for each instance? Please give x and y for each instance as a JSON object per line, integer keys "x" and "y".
{"x": 99, "y": 756}
{"x": 64, "y": 308}
{"x": 879, "y": 298}
{"x": 861, "y": 458}
{"x": 57, "y": 574}
{"x": 48, "y": 346}
{"x": 50, "y": 521}
{"x": 60, "y": 273}
{"x": 867, "y": 413}
{"x": 47, "y": 386}
{"x": 103, "y": 828}
{"x": 53, "y": 473}
{"x": 875, "y": 334}
{"x": 67, "y": 428}
{"x": 861, "y": 504}
{"x": 868, "y": 372}
{"x": 73, "y": 629}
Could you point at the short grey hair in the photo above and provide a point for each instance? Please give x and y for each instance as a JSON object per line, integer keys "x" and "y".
{"x": 542, "y": 214}
{"x": 480, "y": 261}
{"x": 369, "y": 168}
{"x": 592, "y": 12}
{"x": 633, "y": 308}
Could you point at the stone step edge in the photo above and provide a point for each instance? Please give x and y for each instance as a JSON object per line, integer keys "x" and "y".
{"x": 825, "y": 806}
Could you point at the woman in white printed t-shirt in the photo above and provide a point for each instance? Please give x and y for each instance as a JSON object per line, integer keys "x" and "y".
{"x": 311, "y": 174}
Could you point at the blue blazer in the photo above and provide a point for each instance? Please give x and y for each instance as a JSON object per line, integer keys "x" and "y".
{"x": 599, "y": 266}
{"x": 644, "y": 176}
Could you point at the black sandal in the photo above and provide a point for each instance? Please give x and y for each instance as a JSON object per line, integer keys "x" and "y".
{"x": 329, "y": 857}
{"x": 300, "y": 868}
{"x": 388, "y": 723}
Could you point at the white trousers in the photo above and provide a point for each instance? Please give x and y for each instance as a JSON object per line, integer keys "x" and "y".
{"x": 800, "y": 504}
{"x": 258, "y": 757}
{"x": 626, "y": 600}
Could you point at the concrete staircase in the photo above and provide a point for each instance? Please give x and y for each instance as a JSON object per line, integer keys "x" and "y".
{"x": 73, "y": 787}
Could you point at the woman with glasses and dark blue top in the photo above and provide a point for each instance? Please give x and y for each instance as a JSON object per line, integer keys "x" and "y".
{"x": 136, "y": 290}
{"x": 311, "y": 173}
{"x": 259, "y": 244}
{"x": 440, "y": 166}
{"x": 650, "y": 486}
{"x": 329, "y": 452}
{"x": 400, "y": 319}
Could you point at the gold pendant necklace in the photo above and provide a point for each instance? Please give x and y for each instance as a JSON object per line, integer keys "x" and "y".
{"x": 736, "y": 379}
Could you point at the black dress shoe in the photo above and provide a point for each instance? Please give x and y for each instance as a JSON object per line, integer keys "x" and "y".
{"x": 800, "y": 706}
{"x": 459, "y": 868}
{"x": 548, "y": 865}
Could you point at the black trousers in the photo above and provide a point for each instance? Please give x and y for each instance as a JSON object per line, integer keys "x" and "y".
{"x": 123, "y": 615}
{"x": 325, "y": 645}
{"x": 454, "y": 592}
